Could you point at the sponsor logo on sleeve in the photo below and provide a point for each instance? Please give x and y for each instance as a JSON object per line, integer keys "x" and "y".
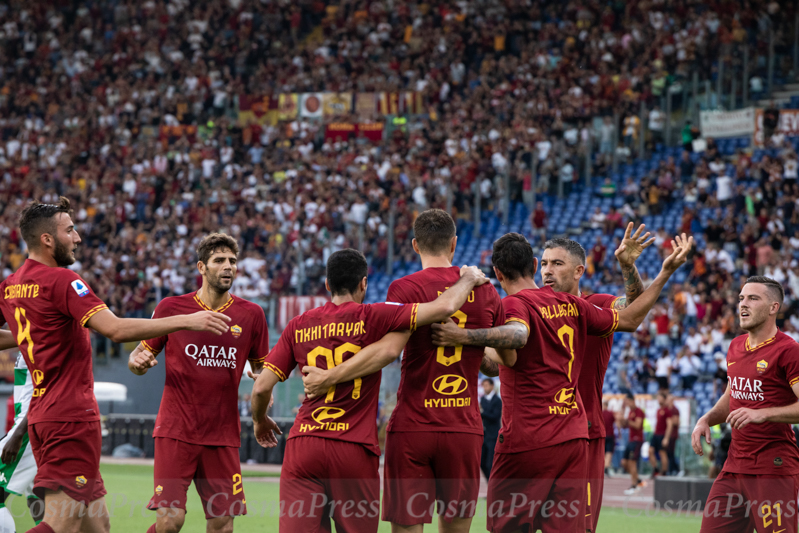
{"x": 80, "y": 288}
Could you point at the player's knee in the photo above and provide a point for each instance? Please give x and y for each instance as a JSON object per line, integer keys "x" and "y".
{"x": 222, "y": 524}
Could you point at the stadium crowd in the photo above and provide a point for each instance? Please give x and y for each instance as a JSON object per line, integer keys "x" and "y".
{"x": 507, "y": 86}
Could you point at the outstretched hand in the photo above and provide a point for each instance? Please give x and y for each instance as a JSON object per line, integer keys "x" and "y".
{"x": 681, "y": 248}
{"x": 633, "y": 244}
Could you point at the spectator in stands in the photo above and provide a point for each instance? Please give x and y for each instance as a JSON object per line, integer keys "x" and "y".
{"x": 693, "y": 341}
{"x": 622, "y": 375}
{"x": 663, "y": 369}
{"x": 539, "y": 221}
{"x": 689, "y": 366}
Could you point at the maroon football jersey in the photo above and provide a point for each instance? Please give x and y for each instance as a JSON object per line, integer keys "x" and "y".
{"x": 762, "y": 376}
{"x": 325, "y": 337}
{"x": 636, "y": 435}
{"x": 438, "y": 386}
{"x": 609, "y": 418}
{"x": 592, "y": 375}
{"x": 675, "y": 429}
{"x": 661, "y": 423}
{"x": 47, "y": 309}
{"x": 203, "y": 371}
{"x": 540, "y": 403}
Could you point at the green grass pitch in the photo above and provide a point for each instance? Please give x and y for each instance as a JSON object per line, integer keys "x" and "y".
{"x": 130, "y": 487}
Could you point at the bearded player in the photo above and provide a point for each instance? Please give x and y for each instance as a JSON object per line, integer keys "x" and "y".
{"x": 759, "y": 484}
{"x": 435, "y": 433}
{"x": 562, "y": 266}
{"x": 331, "y": 462}
{"x": 539, "y": 473}
{"x": 198, "y": 429}
{"x": 48, "y": 309}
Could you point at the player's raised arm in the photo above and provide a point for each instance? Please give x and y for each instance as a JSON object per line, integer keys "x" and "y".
{"x": 632, "y": 316}
{"x": 452, "y": 299}
{"x": 714, "y": 417}
{"x": 627, "y": 253}
{"x": 317, "y": 381}
{"x": 137, "y": 329}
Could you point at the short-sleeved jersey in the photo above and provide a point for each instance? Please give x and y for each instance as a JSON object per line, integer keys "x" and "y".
{"x": 592, "y": 375}
{"x": 46, "y": 309}
{"x": 203, "y": 371}
{"x": 438, "y": 386}
{"x": 661, "y": 422}
{"x": 636, "y": 435}
{"x": 762, "y": 376}
{"x": 325, "y": 337}
{"x": 540, "y": 403}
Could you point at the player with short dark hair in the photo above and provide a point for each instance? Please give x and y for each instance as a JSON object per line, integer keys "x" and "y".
{"x": 759, "y": 483}
{"x": 562, "y": 267}
{"x": 48, "y": 309}
{"x": 658, "y": 445}
{"x": 435, "y": 434}
{"x": 541, "y": 453}
{"x": 632, "y": 452}
{"x": 330, "y": 468}
{"x": 198, "y": 430}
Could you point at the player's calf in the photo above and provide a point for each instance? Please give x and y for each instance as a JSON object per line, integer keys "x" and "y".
{"x": 169, "y": 520}
{"x": 222, "y": 524}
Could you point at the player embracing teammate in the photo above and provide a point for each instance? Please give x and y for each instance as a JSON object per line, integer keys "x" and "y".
{"x": 48, "y": 309}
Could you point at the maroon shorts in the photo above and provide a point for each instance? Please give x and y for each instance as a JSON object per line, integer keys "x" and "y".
{"x": 596, "y": 482}
{"x": 215, "y": 470}
{"x": 544, "y": 487}
{"x": 739, "y": 503}
{"x": 428, "y": 472}
{"x": 68, "y": 458}
{"x": 326, "y": 478}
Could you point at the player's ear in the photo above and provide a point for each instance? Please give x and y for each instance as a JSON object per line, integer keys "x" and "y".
{"x": 498, "y": 274}
{"x": 364, "y": 283}
{"x": 535, "y": 265}
{"x": 579, "y": 271}
{"x": 327, "y": 286}
{"x": 452, "y": 243}
{"x": 201, "y": 267}
{"x": 415, "y": 246}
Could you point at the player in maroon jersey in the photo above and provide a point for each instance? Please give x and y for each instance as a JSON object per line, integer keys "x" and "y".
{"x": 48, "y": 309}
{"x": 198, "y": 430}
{"x": 658, "y": 446}
{"x": 539, "y": 473}
{"x": 759, "y": 484}
{"x": 609, "y": 420}
{"x": 435, "y": 432}
{"x": 632, "y": 452}
{"x": 562, "y": 266}
{"x": 330, "y": 466}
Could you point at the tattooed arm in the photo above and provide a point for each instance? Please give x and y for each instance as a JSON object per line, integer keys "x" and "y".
{"x": 511, "y": 336}
{"x": 629, "y": 250}
{"x": 633, "y": 287}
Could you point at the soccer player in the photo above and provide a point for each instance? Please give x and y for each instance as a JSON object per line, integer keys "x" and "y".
{"x": 562, "y": 266}
{"x": 539, "y": 473}
{"x": 331, "y": 461}
{"x": 198, "y": 430}
{"x": 659, "y": 455}
{"x": 48, "y": 309}
{"x": 19, "y": 467}
{"x": 759, "y": 483}
{"x": 609, "y": 420}
{"x": 435, "y": 434}
{"x": 632, "y": 452}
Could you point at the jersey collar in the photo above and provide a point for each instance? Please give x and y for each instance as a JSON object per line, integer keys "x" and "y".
{"x": 750, "y": 348}
{"x": 221, "y": 309}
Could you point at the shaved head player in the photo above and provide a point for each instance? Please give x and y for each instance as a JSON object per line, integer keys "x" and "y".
{"x": 48, "y": 308}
